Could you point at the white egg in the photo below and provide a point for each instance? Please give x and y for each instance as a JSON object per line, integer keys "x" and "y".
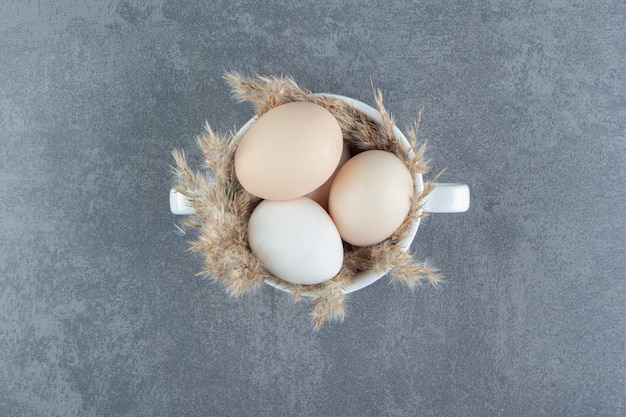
{"x": 296, "y": 240}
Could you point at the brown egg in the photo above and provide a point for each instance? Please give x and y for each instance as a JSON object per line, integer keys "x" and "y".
{"x": 370, "y": 197}
{"x": 289, "y": 151}
{"x": 320, "y": 195}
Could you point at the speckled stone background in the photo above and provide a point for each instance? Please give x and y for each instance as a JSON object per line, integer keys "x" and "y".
{"x": 101, "y": 313}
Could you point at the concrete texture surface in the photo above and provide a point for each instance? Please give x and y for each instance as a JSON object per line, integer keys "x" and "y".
{"x": 101, "y": 313}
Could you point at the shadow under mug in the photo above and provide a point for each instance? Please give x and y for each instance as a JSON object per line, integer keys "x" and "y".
{"x": 444, "y": 198}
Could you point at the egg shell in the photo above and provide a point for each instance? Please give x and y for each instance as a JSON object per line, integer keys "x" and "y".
{"x": 320, "y": 195}
{"x": 295, "y": 240}
{"x": 370, "y": 197}
{"x": 289, "y": 151}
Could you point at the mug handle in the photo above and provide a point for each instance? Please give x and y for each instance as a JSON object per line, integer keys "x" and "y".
{"x": 444, "y": 198}
{"x": 179, "y": 204}
{"x": 448, "y": 198}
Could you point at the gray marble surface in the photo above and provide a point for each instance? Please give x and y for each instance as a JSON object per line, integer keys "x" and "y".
{"x": 101, "y": 313}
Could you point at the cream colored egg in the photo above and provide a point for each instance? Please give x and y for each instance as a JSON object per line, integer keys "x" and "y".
{"x": 295, "y": 240}
{"x": 289, "y": 151}
{"x": 370, "y": 197}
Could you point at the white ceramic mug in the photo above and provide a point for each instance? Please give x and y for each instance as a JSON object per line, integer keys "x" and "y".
{"x": 444, "y": 198}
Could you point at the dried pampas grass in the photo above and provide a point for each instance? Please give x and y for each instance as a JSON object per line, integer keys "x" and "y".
{"x": 223, "y": 207}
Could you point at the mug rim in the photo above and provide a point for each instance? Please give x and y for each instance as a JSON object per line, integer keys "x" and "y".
{"x": 365, "y": 278}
